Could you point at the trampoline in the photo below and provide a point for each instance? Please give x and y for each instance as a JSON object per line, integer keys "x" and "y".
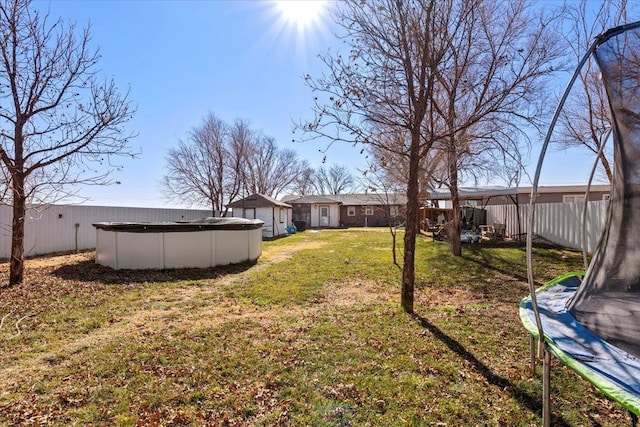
{"x": 591, "y": 321}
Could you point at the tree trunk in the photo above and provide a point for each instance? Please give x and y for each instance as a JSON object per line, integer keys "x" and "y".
{"x": 456, "y": 245}
{"x": 408, "y": 267}
{"x": 16, "y": 265}
{"x": 456, "y": 229}
{"x": 606, "y": 166}
{"x": 393, "y": 250}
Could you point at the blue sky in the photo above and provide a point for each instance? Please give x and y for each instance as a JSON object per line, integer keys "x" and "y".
{"x": 182, "y": 59}
{"x": 236, "y": 59}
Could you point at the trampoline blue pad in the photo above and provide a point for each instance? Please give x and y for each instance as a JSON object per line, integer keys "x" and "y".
{"x": 612, "y": 370}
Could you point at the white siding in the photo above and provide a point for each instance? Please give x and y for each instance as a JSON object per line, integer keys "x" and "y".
{"x": 265, "y": 214}
{"x": 279, "y": 227}
{"x": 271, "y": 217}
{"x": 334, "y": 215}
{"x": 53, "y": 229}
{"x": 559, "y": 223}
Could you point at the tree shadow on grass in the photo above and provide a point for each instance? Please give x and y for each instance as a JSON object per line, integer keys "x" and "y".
{"x": 89, "y": 271}
{"x": 528, "y": 401}
{"x": 489, "y": 260}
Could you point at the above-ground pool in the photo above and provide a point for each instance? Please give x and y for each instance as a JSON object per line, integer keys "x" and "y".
{"x": 202, "y": 243}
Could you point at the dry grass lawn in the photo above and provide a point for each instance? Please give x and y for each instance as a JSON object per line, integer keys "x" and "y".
{"x": 310, "y": 335}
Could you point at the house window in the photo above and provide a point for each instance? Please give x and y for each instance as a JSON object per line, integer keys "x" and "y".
{"x": 572, "y": 198}
{"x": 351, "y": 211}
{"x": 368, "y": 210}
{"x": 281, "y": 215}
{"x": 393, "y": 210}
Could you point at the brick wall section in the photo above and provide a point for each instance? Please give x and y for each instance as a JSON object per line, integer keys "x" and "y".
{"x": 378, "y": 219}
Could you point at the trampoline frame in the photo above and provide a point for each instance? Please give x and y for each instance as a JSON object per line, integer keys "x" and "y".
{"x": 546, "y": 346}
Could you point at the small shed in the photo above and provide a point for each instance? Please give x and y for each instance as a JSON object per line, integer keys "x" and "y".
{"x": 275, "y": 214}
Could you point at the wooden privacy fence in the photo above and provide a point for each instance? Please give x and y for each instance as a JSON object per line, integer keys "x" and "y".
{"x": 60, "y": 228}
{"x": 559, "y": 223}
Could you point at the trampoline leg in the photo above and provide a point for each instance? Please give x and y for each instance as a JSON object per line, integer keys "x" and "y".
{"x": 546, "y": 388}
{"x": 532, "y": 348}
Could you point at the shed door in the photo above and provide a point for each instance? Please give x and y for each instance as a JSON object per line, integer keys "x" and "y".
{"x": 324, "y": 216}
{"x": 250, "y": 213}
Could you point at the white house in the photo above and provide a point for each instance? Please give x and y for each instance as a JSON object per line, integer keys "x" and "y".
{"x": 348, "y": 210}
{"x": 315, "y": 211}
{"x": 275, "y": 214}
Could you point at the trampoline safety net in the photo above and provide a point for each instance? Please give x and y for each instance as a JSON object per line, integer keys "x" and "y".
{"x": 608, "y": 300}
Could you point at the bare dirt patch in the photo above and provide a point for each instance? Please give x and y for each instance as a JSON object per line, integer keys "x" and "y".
{"x": 353, "y": 293}
{"x": 53, "y": 260}
{"x": 285, "y": 252}
{"x": 58, "y": 260}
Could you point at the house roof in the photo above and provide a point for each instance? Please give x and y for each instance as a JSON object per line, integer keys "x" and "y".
{"x": 486, "y": 192}
{"x": 257, "y": 201}
{"x": 311, "y": 199}
{"x": 369, "y": 199}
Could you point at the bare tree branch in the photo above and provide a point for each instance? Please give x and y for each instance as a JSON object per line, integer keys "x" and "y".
{"x": 335, "y": 180}
{"x": 219, "y": 163}
{"x": 585, "y": 120}
{"x": 59, "y": 124}
{"x": 422, "y": 82}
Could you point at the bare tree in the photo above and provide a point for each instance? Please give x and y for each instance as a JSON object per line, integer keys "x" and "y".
{"x": 395, "y": 168}
{"x": 303, "y": 182}
{"x": 5, "y": 184}
{"x": 420, "y": 77}
{"x": 384, "y": 185}
{"x": 219, "y": 163}
{"x": 197, "y": 167}
{"x": 236, "y": 174}
{"x": 382, "y": 91}
{"x": 210, "y": 166}
{"x": 337, "y": 179}
{"x": 490, "y": 86}
{"x": 59, "y": 123}
{"x": 585, "y": 119}
{"x": 272, "y": 170}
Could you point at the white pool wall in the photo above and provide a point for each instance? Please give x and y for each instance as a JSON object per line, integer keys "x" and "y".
{"x": 199, "y": 249}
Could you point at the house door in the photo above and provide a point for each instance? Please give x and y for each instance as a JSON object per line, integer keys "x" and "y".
{"x": 324, "y": 216}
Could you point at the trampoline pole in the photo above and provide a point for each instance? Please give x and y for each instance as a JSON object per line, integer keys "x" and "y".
{"x": 546, "y": 388}
{"x": 534, "y": 193}
{"x": 586, "y": 202}
{"x": 532, "y": 349}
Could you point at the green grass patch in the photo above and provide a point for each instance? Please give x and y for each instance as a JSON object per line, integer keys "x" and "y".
{"x": 310, "y": 335}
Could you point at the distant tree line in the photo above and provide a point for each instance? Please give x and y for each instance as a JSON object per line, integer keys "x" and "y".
{"x": 218, "y": 163}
